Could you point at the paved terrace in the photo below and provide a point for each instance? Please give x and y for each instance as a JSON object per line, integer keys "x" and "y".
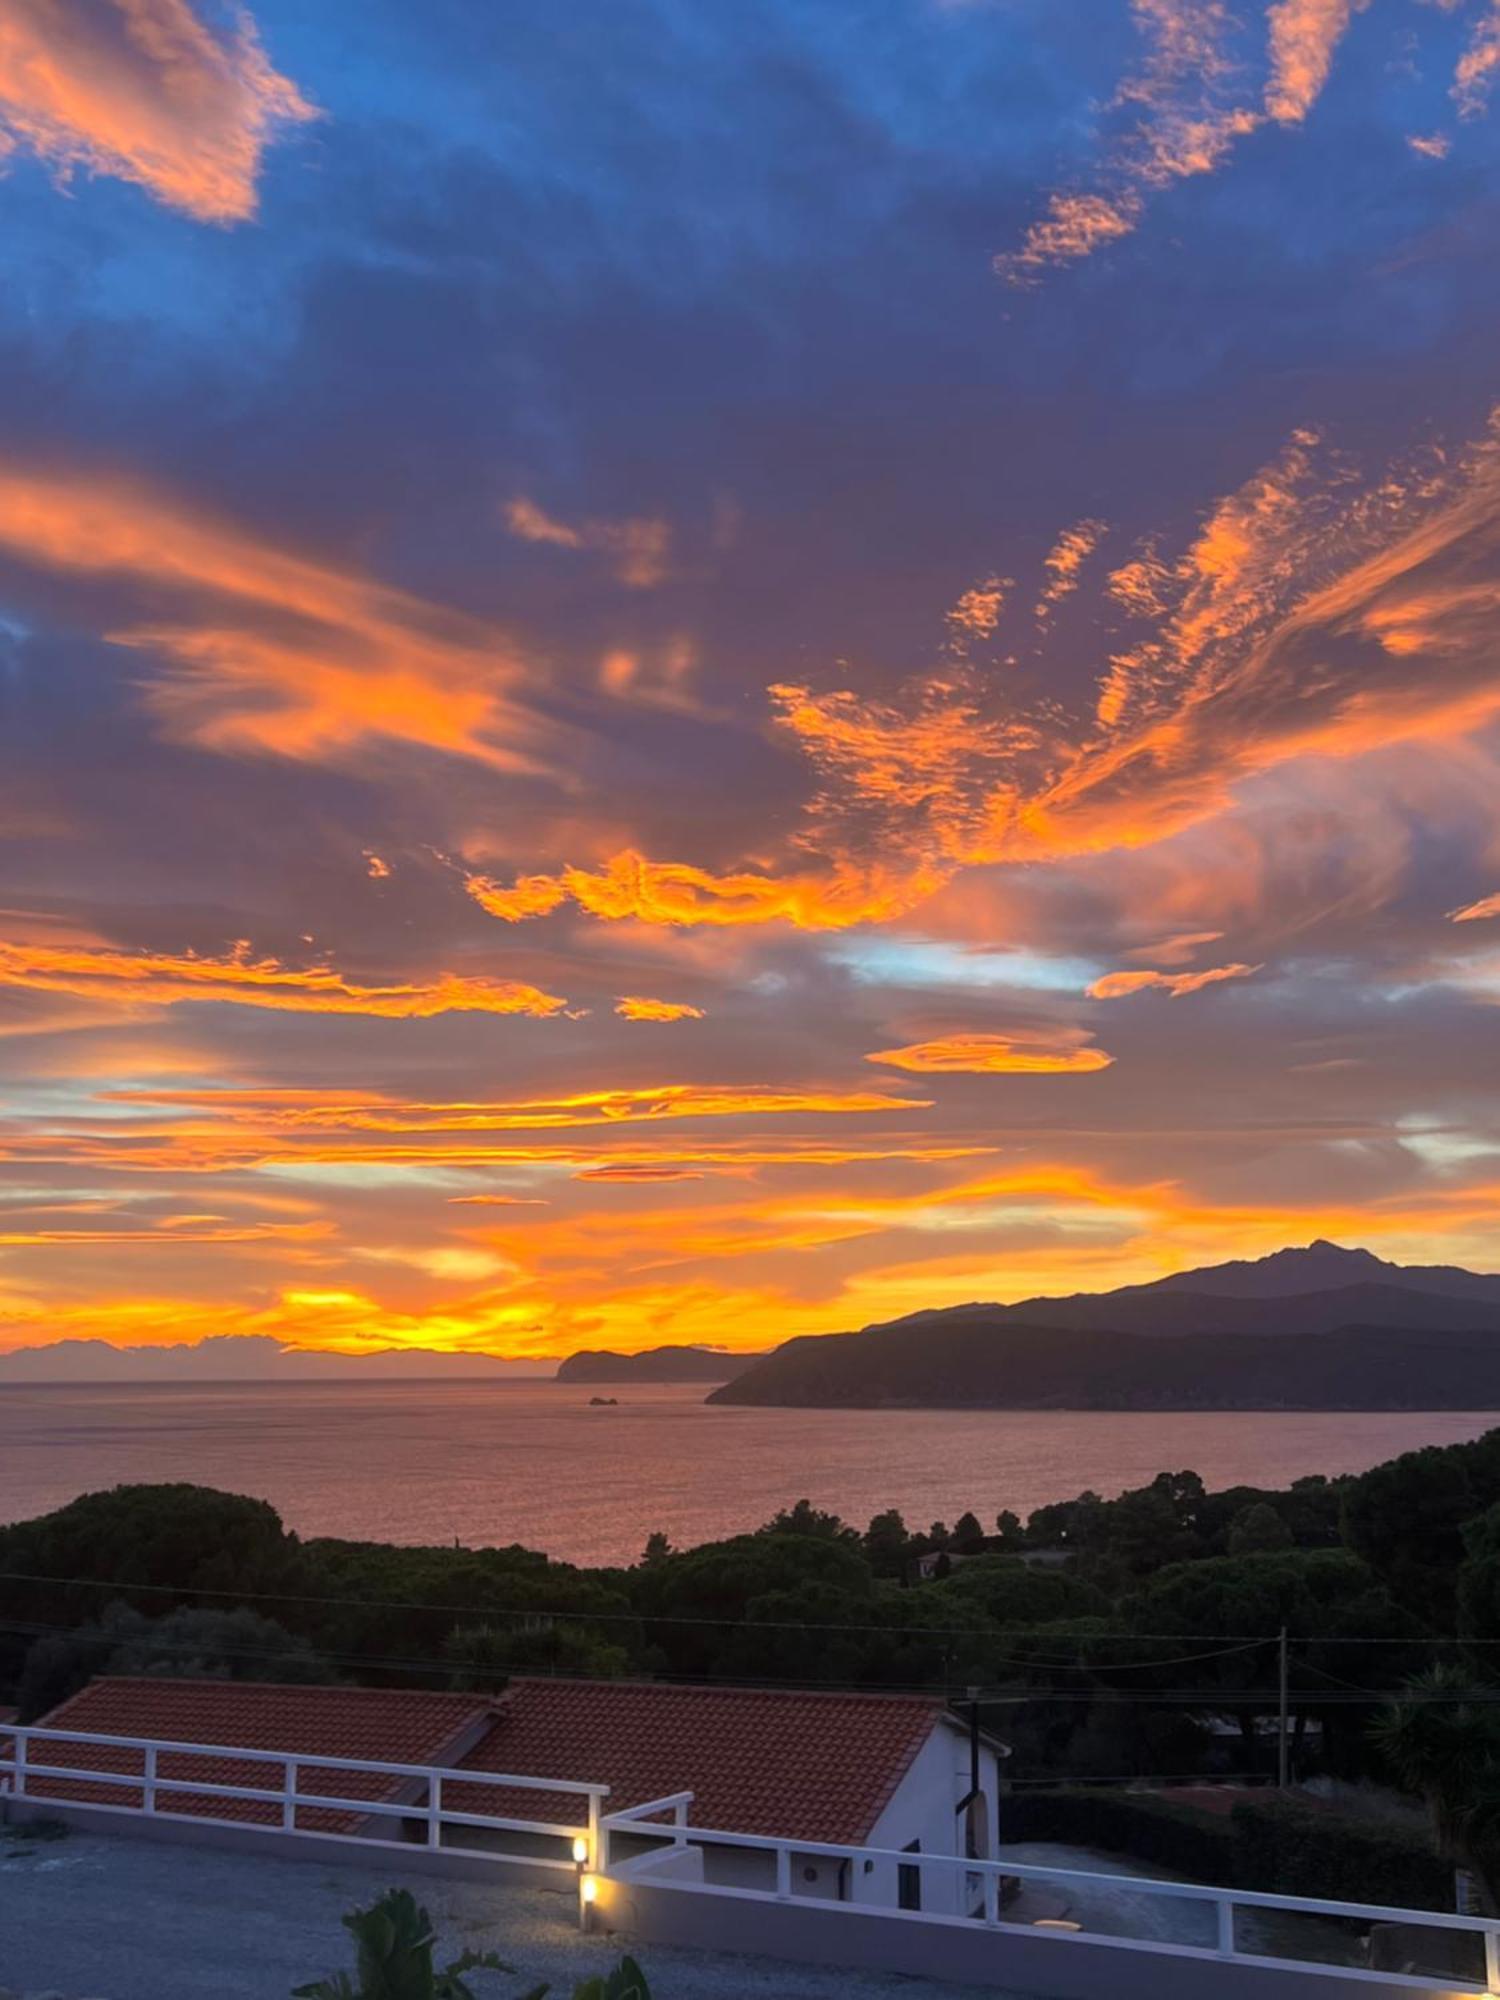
{"x": 138, "y": 1920}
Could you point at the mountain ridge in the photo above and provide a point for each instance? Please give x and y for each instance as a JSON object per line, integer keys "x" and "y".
{"x": 246, "y": 1357}
{"x": 687, "y": 1363}
{"x": 1254, "y": 1343}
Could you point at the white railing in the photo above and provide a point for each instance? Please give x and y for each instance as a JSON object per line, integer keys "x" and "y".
{"x": 990, "y": 1872}
{"x": 665, "y": 1822}
{"x": 20, "y": 1773}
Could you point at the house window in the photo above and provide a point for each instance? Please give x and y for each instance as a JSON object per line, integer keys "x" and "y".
{"x": 909, "y": 1879}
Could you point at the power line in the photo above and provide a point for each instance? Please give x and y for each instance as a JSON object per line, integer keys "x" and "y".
{"x": 428, "y": 1663}
{"x": 589, "y": 1615}
{"x": 993, "y": 1694}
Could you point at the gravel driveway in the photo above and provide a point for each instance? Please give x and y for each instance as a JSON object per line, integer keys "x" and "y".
{"x": 135, "y": 1920}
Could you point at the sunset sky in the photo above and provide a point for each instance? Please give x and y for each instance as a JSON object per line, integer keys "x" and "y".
{"x": 673, "y": 670}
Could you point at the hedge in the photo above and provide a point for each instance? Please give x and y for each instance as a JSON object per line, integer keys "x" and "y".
{"x": 1143, "y": 1825}
{"x": 1268, "y": 1843}
{"x": 1293, "y": 1850}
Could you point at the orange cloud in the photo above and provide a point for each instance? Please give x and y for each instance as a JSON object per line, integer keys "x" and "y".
{"x": 209, "y": 1153}
{"x": 644, "y": 1170}
{"x": 1487, "y": 906}
{"x": 1066, "y": 559}
{"x": 376, "y": 869}
{"x": 635, "y": 1007}
{"x": 370, "y": 1111}
{"x": 1304, "y": 36}
{"x": 148, "y": 92}
{"x": 1191, "y": 105}
{"x": 1177, "y": 948}
{"x": 996, "y": 1055}
{"x": 528, "y": 896}
{"x": 604, "y": 1280}
{"x": 1185, "y": 124}
{"x": 629, "y": 885}
{"x": 270, "y": 652}
{"x": 158, "y": 979}
{"x": 638, "y": 548}
{"x": 1312, "y": 614}
{"x": 1117, "y": 985}
{"x": 496, "y": 1201}
{"x": 977, "y": 612}
{"x": 173, "y": 1230}
{"x": 1474, "y": 79}
{"x": 1074, "y": 226}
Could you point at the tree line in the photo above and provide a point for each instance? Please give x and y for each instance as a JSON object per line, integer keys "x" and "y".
{"x": 1103, "y": 1638}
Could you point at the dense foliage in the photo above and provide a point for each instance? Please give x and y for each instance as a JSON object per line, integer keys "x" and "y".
{"x": 1104, "y": 1638}
{"x": 1267, "y": 1843}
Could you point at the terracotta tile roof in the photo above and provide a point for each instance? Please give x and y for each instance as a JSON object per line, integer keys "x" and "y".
{"x": 812, "y": 1766}
{"x": 392, "y": 1725}
{"x": 769, "y": 1761}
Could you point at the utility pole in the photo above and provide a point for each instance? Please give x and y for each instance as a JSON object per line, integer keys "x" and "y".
{"x": 1281, "y": 1715}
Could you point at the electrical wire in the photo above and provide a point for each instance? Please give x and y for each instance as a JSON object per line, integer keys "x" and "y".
{"x": 989, "y": 1694}
{"x": 589, "y": 1615}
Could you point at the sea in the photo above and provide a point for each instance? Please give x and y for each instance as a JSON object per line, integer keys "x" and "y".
{"x": 487, "y": 1462}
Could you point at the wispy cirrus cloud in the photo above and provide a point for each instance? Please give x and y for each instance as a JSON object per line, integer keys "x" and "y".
{"x": 1304, "y": 35}
{"x": 373, "y": 1111}
{"x": 136, "y": 979}
{"x": 146, "y": 91}
{"x": 1065, "y": 560}
{"x": 1180, "y": 113}
{"x": 1315, "y": 612}
{"x": 171, "y": 1231}
{"x": 1119, "y": 985}
{"x": 1479, "y": 66}
{"x": 265, "y": 651}
{"x": 638, "y": 548}
{"x": 1182, "y": 109}
{"x": 1470, "y": 913}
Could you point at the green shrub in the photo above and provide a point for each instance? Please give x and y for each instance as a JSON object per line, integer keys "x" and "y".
{"x": 1293, "y": 1850}
{"x": 1268, "y": 1843}
{"x": 393, "y": 1942}
{"x": 1143, "y": 1825}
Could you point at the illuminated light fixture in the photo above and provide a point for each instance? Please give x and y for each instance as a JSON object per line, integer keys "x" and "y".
{"x": 580, "y": 1849}
{"x": 588, "y": 1888}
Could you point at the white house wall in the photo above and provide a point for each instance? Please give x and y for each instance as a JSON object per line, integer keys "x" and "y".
{"x": 924, "y": 1808}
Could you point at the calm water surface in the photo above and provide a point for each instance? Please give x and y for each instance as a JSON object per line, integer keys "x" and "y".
{"x": 531, "y": 1462}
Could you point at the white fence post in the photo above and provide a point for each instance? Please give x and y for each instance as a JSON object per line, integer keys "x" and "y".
{"x": 1224, "y": 1906}
{"x": 148, "y": 1780}
{"x": 784, "y": 1872}
{"x": 20, "y": 1741}
{"x": 598, "y": 1838}
{"x": 289, "y": 1795}
{"x": 991, "y": 1896}
{"x": 435, "y": 1810}
{"x": 1492, "y": 1961}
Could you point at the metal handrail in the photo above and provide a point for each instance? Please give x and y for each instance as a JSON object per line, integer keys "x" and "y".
{"x": 314, "y": 1759}
{"x": 155, "y": 1785}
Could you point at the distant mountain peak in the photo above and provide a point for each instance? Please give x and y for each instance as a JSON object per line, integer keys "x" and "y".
{"x": 1319, "y": 1266}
